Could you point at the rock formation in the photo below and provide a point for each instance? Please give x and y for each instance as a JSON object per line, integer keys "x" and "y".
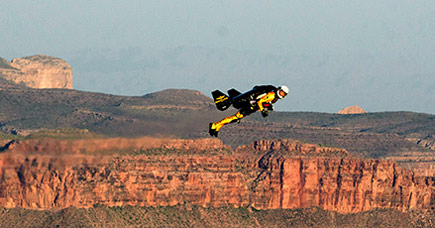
{"x": 293, "y": 147}
{"x": 163, "y": 172}
{"x": 39, "y": 71}
{"x": 352, "y": 110}
{"x": 428, "y": 142}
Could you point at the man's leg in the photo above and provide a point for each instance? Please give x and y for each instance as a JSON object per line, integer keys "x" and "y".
{"x": 215, "y": 127}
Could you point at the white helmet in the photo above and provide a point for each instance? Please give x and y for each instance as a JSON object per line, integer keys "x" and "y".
{"x": 282, "y": 91}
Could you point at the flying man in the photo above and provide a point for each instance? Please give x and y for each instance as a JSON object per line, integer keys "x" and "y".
{"x": 259, "y": 98}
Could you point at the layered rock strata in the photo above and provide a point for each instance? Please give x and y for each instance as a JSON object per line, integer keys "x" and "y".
{"x": 293, "y": 147}
{"x": 39, "y": 71}
{"x": 210, "y": 175}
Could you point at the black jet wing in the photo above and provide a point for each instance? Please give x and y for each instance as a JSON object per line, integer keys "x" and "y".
{"x": 222, "y": 101}
{"x": 233, "y": 93}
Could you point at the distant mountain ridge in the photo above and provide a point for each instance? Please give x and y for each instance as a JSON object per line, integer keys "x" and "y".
{"x": 186, "y": 114}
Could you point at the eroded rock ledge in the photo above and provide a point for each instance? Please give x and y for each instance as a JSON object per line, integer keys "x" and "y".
{"x": 38, "y": 71}
{"x": 162, "y": 172}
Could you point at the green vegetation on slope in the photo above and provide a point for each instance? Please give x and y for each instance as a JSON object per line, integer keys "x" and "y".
{"x": 193, "y": 216}
{"x": 61, "y": 133}
{"x": 64, "y": 133}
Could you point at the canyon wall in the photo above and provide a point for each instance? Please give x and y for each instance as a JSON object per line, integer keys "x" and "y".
{"x": 39, "y": 71}
{"x": 203, "y": 172}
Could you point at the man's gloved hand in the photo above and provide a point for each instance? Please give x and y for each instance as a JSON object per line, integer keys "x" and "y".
{"x": 268, "y": 106}
{"x": 264, "y": 113}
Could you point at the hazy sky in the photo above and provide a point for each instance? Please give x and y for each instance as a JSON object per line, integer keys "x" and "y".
{"x": 377, "y": 54}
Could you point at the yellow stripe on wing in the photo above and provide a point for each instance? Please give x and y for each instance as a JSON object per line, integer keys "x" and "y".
{"x": 221, "y": 99}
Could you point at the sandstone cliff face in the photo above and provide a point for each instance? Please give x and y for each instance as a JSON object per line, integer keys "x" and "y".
{"x": 33, "y": 177}
{"x": 352, "y": 110}
{"x": 293, "y": 147}
{"x": 39, "y": 71}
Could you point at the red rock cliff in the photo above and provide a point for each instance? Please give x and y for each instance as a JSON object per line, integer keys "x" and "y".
{"x": 209, "y": 175}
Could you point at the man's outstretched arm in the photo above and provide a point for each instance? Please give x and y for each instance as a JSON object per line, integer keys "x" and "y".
{"x": 267, "y": 99}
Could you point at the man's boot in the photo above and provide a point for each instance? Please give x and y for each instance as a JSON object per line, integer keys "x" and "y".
{"x": 212, "y": 130}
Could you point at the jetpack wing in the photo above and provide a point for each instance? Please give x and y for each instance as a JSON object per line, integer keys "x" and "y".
{"x": 222, "y": 101}
{"x": 233, "y": 93}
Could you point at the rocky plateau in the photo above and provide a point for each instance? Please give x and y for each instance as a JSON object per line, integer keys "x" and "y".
{"x": 277, "y": 174}
{"x": 352, "y": 110}
{"x": 38, "y": 71}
